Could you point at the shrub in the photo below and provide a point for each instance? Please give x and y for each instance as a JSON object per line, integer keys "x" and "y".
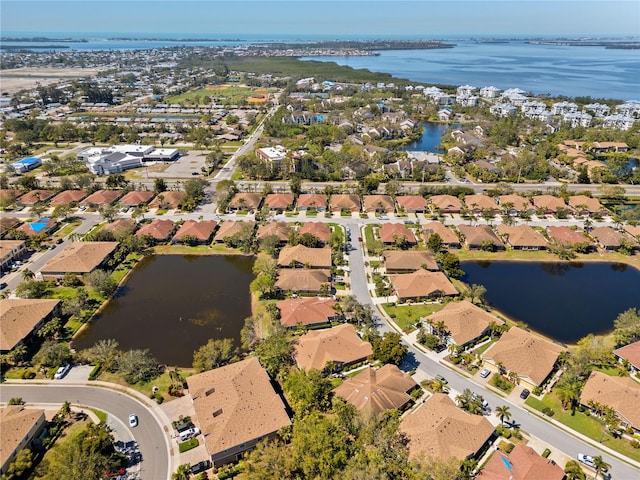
{"x": 158, "y": 397}
{"x": 634, "y": 443}
{"x": 546, "y": 453}
{"x": 28, "y": 374}
{"x": 503, "y": 431}
{"x": 537, "y": 391}
{"x": 548, "y": 412}
{"x": 95, "y": 372}
{"x": 499, "y": 382}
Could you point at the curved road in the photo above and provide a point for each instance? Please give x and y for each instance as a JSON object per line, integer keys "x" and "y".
{"x": 149, "y": 435}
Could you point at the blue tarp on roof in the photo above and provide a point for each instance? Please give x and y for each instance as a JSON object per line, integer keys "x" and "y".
{"x": 28, "y": 161}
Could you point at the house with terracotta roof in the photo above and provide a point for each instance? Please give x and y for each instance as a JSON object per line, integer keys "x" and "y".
{"x": 10, "y": 250}
{"x": 236, "y": 407}
{"x": 8, "y": 223}
{"x": 279, "y": 202}
{"x": 79, "y": 258}
{"x": 477, "y": 236}
{"x": 199, "y": 232}
{"x": 318, "y": 229}
{"x": 374, "y": 391}
{"x": 523, "y": 463}
{"x": 620, "y": 393}
{"x": 390, "y": 232}
{"x": 136, "y": 198}
{"x": 403, "y": 261}
{"x": 230, "y": 228}
{"x": 22, "y": 317}
{"x": 102, "y": 197}
{"x": 159, "y": 230}
{"x": 631, "y": 354}
{"x": 421, "y": 284}
{"x": 21, "y": 428}
{"x": 301, "y": 256}
{"x": 411, "y": 203}
{"x": 169, "y": 200}
{"x": 120, "y": 227}
{"x": 278, "y": 229}
{"x": 36, "y": 196}
{"x": 567, "y": 237}
{"x": 549, "y": 204}
{"x": 378, "y": 203}
{"x": 312, "y": 201}
{"x": 515, "y": 204}
{"x": 521, "y": 237}
{"x": 445, "y": 204}
{"x": 583, "y": 205}
{"x": 533, "y": 358}
{"x": 245, "y": 201}
{"x": 465, "y": 322}
{"x": 632, "y": 230}
{"x": 340, "y": 345}
{"x": 610, "y": 239}
{"x": 309, "y": 311}
{"x": 67, "y": 197}
{"x": 439, "y": 429}
{"x": 42, "y": 226}
{"x": 303, "y": 280}
{"x": 448, "y": 236}
{"x": 344, "y": 202}
{"x": 479, "y": 203}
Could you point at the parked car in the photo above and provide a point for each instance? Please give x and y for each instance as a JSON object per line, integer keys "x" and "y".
{"x": 524, "y": 394}
{"x": 62, "y": 371}
{"x": 133, "y": 420}
{"x": 586, "y": 459}
{"x": 440, "y": 378}
{"x": 485, "y": 372}
{"x": 200, "y": 467}
{"x": 3, "y": 285}
{"x": 187, "y": 434}
{"x": 384, "y": 217}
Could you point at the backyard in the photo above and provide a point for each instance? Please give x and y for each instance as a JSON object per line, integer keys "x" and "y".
{"x": 406, "y": 316}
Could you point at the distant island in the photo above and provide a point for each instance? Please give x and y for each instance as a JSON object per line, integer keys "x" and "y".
{"x": 161, "y": 39}
{"x": 611, "y": 44}
{"x": 42, "y": 39}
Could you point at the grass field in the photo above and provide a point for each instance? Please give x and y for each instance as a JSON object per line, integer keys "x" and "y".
{"x": 225, "y": 94}
{"x": 407, "y": 315}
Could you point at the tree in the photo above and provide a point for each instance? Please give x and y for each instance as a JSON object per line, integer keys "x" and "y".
{"x": 27, "y": 275}
{"x": 476, "y": 292}
{"x": 627, "y": 327}
{"x": 264, "y": 285}
{"x": 216, "y": 353}
{"x": 389, "y": 348}
{"x": 159, "y": 185}
{"x": 503, "y": 412}
{"x": 434, "y": 243}
{"x": 275, "y": 352}
{"x": 600, "y": 465}
{"x": 21, "y": 464}
{"x": 450, "y": 264}
{"x": 108, "y": 212}
{"x": 52, "y": 328}
{"x": 137, "y": 366}
{"x": 307, "y": 392}
{"x": 183, "y": 472}
{"x": 269, "y": 460}
{"x": 573, "y": 471}
{"x": 32, "y": 289}
{"x": 101, "y": 281}
{"x": 115, "y": 181}
{"x": 52, "y": 354}
{"x": 105, "y": 352}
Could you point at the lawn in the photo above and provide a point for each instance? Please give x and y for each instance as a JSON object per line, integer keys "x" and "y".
{"x": 215, "y": 249}
{"x": 585, "y": 424}
{"x": 407, "y": 315}
{"x": 68, "y": 228}
{"x": 368, "y": 234}
{"x": 227, "y": 94}
{"x": 480, "y": 350}
{"x": 69, "y": 433}
{"x": 162, "y": 382}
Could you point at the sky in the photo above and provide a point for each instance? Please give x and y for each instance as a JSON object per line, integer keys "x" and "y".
{"x": 332, "y": 18}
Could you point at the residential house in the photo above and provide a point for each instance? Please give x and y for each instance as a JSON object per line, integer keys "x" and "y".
{"x": 549, "y": 204}
{"x": 439, "y": 429}
{"x": 514, "y": 204}
{"x": 631, "y": 354}
{"x": 523, "y": 463}
{"x": 22, "y": 317}
{"x": 278, "y": 229}
{"x": 68, "y": 197}
{"x": 120, "y": 227}
{"x": 245, "y": 201}
{"x": 445, "y": 204}
{"x": 391, "y": 232}
{"x": 521, "y": 237}
{"x": 232, "y": 227}
{"x": 136, "y": 198}
{"x": 375, "y": 391}
{"x": 480, "y": 203}
{"x": 610, "y": 239}
{"x": 340, "y": 345}
{"x": 159, "y": 230}
{"x": 632, "y": 230}
{"x": 168, "y": 200}
{"x": 464, "y": 322}
{"x": 421, "y": 284}
{"x": 21, "y": 428}
{"x": 301, "y": 256}
{"x": 307, "y": 312}
{"x": 567, "y": 237}
{"x": 378, "y": 203}
{"x": 399, "y": 261}
{"x": 78, "y": 258}
{"x": 36, "y": 196}
{"x": 531, "y": 357}
{"x": 236, "y": 407}
{"x": 198, "y": 232}
{"x": 478, "y": 236}
{"x": 10, "y": 250}
{"x": 411, "y": 203}
{"x": 312, "y": 201}
{"x": 583, "y": 205}
{"x": 448, "y": 236}
{"x": 279, "y": 202}
{"x": 42, "y": 226}
{"x": 303, "y": 280}
{"x": 344, "y": 202}
{"x": 318, "y": 229}
{"x": 102, "y": 197}
{"x": 620, "y": 393}
{"x": 7, "y": 224}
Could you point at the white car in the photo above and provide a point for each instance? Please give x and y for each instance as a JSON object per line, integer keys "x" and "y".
{"x": 133, "y": 420}
{"x": 484, "y": 373}
{"x": 62, "y": 371}
{"x": 586, "y": 459}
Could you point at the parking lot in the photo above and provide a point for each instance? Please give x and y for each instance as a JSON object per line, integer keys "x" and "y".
{"x": 184, "y": 167}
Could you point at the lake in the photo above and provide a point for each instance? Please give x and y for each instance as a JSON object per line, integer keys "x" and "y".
{"x": 172, "y": 304}
{"x": 564, "y": 301}
{"x": 431, "y": 138}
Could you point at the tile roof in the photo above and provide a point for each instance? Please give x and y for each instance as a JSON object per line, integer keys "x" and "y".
{"x": 299, "y": 254}
{"x": 157, "y": 229}
{"x": 609, "y": 238}
{"x": 421, "y": 284}
{"x": 481, "y": 202}
{"x": 339, "y": 344}
{"x": 412, "y": 203}
{"x": 464, "y": 321}
{"x": 15, "y": 424}
{"x": 631, "y": 353}
{"x": 102, "y": 197}
{"x": 446, "y": 203}
{"x": 312, "y": 200}
{"x": 390, "y": 231}
{"x": 340, "y": 201}
{"x": 591, "y": 204}
{"x": 68, "y": 196}
{"x": 28, "y": 230}
{"x": 522, "y": 236}
{"x": 19, "y": 316}
{"x": 476, "y": 235}
{"x": 35, "y": 196}
{"x": 279, "y": 201}
{"x": 523, "y": 463}
{"x": 620, "y": 393}
{"x": 566, "y": 236}
{"x": 120, "y": 226}
{"x": 279, "y": 229}
{"x": 318, "y": 229}
{"x": 519, "y": 203}
{"x": 7, "y": 223}
{"x": 171, "y": 199}
{"x": 246, "y": 200}
{"x": 439, "y": 429}
{"x": 447, "y": 235}
{"x": 136, "y": 197}
{"x": 374, "y": 391}
{"x": 549, "y": 203}
{"x": 302, "y": 279}
{"x": 231, "y": 227}
{"x": 236, "y": 404}
{"x": 633, "y": 230}
{"x": 374, "y": 203}
{"x": 200, "y": 230}
{"x": 306, "y": 311}
{"x": 409, "y": 260}
{"x": 7, "y": 246}
{"x": 79, "y": 257}
{"x": 528, "y": 355}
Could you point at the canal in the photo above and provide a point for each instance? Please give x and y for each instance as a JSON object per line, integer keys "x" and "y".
{"x": 564, "y": 301}
{"x": 172, "y": 304}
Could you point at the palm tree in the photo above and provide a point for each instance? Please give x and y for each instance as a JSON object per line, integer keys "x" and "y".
{"x": 27, "y": 275}
{"x": 182, "y": 473}
{"x": 502, "y": 413}
{"x": 600, "y": 465}
{"x": 573, "y": 471}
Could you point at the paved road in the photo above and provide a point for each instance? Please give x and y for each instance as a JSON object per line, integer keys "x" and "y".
{"x": 148, "y": 434}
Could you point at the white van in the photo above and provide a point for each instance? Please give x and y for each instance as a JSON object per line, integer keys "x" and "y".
{"x": 187, "y": 434}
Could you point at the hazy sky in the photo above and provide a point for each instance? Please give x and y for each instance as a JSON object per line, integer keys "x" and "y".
{"x": 327, "y": 17}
